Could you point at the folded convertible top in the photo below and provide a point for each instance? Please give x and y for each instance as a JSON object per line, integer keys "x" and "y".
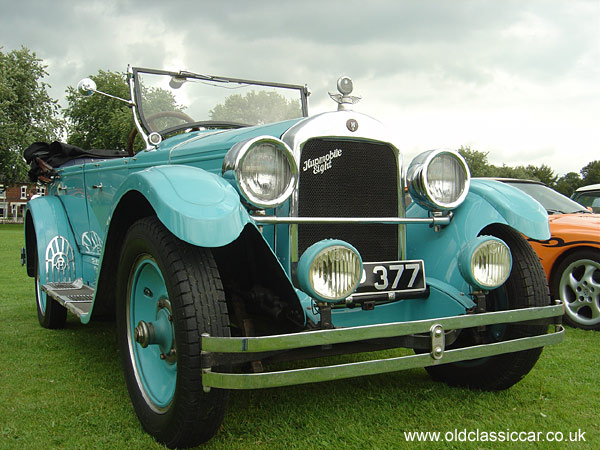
{"x": 44, "y": 157}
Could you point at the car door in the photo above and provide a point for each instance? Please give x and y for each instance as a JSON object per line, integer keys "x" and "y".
{"x": 102, "y": 180}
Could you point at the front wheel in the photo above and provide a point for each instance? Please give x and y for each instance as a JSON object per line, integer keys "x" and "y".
{"x": 576, "y": 281}
{"x": 169, "y": 293}
{"x": 525, "y": 287}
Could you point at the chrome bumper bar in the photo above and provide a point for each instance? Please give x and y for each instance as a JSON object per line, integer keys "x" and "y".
{"x": 434, "y": 327}
{"x": 274, "y": 220}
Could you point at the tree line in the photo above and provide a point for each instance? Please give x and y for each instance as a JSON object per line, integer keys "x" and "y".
{"x": 28, "y": 114}
{"x": 566, "y": 184}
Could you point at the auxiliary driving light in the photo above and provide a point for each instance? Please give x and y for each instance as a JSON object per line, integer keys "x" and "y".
{"x": 485, "y": 262}
{"x": 330, "y": 270}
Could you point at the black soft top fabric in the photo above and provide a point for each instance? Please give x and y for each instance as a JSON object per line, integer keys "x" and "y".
{"x": 58, "y": 153}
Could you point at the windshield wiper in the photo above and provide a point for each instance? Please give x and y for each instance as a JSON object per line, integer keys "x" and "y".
{"x": 555, "y": 211}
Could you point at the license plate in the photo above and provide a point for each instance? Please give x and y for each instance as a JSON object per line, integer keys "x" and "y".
{"x": 391, "y": 277}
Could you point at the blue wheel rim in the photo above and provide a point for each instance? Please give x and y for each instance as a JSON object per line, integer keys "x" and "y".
{"x": 156, "y": 376}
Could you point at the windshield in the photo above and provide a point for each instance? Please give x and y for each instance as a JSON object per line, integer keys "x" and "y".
{"x": 174, "y": 101}
{"x": 552, "y": 201}
{"x": 589, "y": 199}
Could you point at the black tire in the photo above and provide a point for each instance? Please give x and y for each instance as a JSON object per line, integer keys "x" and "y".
{"x": 576, "y": 281}
{"x": 166, "y": 392}
{"x": 51, "y": 314}
{"x": 525, "y": 287}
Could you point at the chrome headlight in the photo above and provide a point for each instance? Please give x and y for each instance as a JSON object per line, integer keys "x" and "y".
{"x": 264, "y": 170}
{"x": 329, "y": 270}
{"x": 438, "y": 179}
{"x": 485, "y": 262}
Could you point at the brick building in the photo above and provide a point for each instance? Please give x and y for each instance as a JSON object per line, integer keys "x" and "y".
{"x": 13, "y": 200}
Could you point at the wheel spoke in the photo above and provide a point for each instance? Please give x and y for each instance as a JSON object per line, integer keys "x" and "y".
{"x": 573, "y": 283}
{"x": 575, "y": 306}
{"x": 588, "y": 276}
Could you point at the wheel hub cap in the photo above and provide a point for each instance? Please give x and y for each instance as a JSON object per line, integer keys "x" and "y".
{"x": 158, "y": 332}
{"x": 152, "y": 335}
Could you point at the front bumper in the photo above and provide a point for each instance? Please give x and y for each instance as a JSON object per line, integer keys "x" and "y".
{"x": 216, "y": 349}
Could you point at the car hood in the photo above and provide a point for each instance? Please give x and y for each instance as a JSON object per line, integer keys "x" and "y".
{"x": 223, "y": 138}
{"x": 575, "y": 224}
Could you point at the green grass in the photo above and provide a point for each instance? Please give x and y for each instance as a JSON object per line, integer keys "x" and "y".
{"x": 65, "y": 389}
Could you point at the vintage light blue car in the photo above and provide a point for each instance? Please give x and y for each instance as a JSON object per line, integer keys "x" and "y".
{"x": 248, "y": 232}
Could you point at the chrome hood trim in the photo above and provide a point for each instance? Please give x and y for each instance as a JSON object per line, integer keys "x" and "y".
{"x": 336, "y": 124}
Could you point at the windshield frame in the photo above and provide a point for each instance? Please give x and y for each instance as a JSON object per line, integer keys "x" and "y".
{"x": 138, "y": 99}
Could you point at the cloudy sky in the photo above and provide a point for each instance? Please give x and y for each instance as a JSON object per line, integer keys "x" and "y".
{"x": 518, "y": 79}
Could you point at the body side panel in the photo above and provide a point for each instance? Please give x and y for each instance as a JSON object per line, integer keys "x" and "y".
{"x": 569, "y": 232}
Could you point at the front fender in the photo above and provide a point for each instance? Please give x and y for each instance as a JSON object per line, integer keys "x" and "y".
{"x": 195, "y": 205}
{"x": 489, "y": 202}
{"x": 518, "y": 210}
{"x": 49, "y": 234}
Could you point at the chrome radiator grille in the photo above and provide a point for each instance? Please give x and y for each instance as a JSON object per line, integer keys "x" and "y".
{"x": 343, "y": 178}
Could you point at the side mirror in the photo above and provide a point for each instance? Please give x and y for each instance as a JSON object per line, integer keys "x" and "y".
{"x": 86, "y": 87}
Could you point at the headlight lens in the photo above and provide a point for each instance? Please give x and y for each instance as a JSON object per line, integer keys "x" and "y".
{"x": 486, "y": 262}
{"x": 330, "y": 270}
{"x": 265, "y": 170}
{"x": 438, "y": 179}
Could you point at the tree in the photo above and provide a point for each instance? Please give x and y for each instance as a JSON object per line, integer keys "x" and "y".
{"x": 256, "y": 108}
{"x": 568, "y": 183}
{"x": 479, "y": 166}
{"x": 27, "y": 113}
{"x": 543, "y": 173}
{"x": 519, "y": 172}
{"x": 477, "y": 161}
{"x": 98, "y": 121}
{"x": 591, "y": 173}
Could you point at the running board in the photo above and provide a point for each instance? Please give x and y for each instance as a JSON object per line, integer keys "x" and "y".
{"x": 76, "y": 296}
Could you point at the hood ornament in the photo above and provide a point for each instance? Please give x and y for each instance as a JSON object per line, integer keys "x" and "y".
{"x": 344, "y": 99}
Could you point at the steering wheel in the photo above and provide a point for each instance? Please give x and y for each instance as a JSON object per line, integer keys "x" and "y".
{"x": 150, "y": 119}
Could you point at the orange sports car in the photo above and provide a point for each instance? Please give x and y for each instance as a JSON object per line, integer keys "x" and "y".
{"x": 571, "y": 257}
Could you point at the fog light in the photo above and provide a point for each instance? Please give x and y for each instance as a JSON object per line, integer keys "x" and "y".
{"x": 330, "y": 270}
{"x": 485, "y": 262}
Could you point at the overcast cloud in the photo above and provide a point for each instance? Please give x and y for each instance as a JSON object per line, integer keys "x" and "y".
{"x": 517, "y": 79}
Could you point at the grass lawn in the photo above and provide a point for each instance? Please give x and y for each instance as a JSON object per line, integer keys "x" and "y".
{"x": 65, "y": 389}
